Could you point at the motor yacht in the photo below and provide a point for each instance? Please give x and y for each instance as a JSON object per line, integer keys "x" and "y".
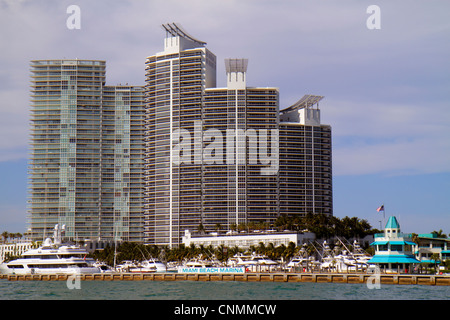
{"x": 253, "y": 262}
{"x": 53, "y": 257}
{"x": 150, "y": 265}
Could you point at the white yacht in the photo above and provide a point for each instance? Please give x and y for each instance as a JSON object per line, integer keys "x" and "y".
{"x": 150, "y": 265}
{"x": 301, "y": 261}
{"x": 104, "y": 268}
{"x": 53, "y": 257}
{"x": 201, "y": 262}
{"x": 253, "y": 262}
{"x": 126, "y": 266}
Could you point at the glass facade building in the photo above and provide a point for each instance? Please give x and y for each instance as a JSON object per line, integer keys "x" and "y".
{"x": 86, "y": 152}
{"x": 218, "y": 158}
{"x": 305, "y": 175}
{"x": 176, "y": 80}
{"x": 145, "y": 163}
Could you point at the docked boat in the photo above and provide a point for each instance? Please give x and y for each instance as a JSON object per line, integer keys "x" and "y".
{"x": 341, "y": 259}
{"x": 199, "y": 262}
{"x": 104, "y": 268}
{"x": 53, "y": 257}
{"x": 301, "y": 260}
{"x": 150, "y": 265}
{"x": 253, "y": 262}
{"x": 126, "y": 266}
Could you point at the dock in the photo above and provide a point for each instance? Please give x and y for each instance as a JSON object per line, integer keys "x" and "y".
{"x": 403, "y": 279}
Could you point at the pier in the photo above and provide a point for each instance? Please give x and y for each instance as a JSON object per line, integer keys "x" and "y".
{"x": 404, "y": 279}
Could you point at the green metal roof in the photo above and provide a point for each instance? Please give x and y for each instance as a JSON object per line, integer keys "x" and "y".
{"x": 398, "y": 258}
{"x": 392, "y": 223}
{"x": 392, "y": 242}
{"x": 402, "y": 242}
{"x": 379, "y": 243}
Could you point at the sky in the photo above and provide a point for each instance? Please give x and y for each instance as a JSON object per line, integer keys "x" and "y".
{"x": 387, "y": 90}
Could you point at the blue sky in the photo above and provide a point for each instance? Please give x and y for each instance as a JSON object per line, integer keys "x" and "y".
{"x": 387, "y": 91}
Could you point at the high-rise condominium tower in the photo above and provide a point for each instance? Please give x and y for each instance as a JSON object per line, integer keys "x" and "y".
{"x": 217, "y": 158}
{"x": 176, "y": 80}
{"x": 305, "y": 182}
{"x": 86, "y": 167}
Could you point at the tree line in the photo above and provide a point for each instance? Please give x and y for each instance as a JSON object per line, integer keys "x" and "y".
{"x": 6, "y": 235}
{"x": 325, "y": 226}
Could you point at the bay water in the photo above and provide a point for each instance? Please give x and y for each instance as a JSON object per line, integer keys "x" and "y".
{"x": 214, "y": 290}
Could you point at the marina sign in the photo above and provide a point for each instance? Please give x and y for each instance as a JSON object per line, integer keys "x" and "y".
{"x": 210, "y": 270}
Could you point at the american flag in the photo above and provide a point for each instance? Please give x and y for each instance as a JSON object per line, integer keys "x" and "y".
{"x": 381, "y": 208}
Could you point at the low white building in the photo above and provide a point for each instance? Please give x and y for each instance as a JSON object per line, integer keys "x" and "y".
{"x": 15, "y": 249}
{"x": 245, "y": 240}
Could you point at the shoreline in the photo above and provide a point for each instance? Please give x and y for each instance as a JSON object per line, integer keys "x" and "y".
{"x": 402, "y": 279}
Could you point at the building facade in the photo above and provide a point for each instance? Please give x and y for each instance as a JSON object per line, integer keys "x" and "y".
{"x": 86, "y": 152}
{"x": 247, "y": 240}
{"x": 429, "y": 245}
{"x": 175, "y": 83}
{"x": 217, "y": 158}
{"x": 305, "y": 176}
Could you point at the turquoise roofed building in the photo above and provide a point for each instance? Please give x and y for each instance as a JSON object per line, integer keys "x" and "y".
{"x": 393, "y": 249}
{"x": 429, "y": 245}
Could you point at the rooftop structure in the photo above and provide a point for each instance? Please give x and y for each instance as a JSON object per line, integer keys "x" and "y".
{"x": 175, "y": 30}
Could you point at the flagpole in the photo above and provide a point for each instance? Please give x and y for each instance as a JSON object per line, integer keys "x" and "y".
{"x": 384, "y": 216}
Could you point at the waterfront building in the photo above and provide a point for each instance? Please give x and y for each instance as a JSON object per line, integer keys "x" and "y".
{"x": 224, "y": 157}
{"x": 14, "y": 249}
{"x": 86, "y": 152}
{"x": 430, "y": 244}
{"x": 246, "y": 240}
{"x": 393, "y": 249}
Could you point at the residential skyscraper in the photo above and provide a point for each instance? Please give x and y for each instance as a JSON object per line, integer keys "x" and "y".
{"x": 305, "y": 175}
{"x": 217, "y": 158}
{"x": 86, "y": 152}
{"x": 176, "y": 80}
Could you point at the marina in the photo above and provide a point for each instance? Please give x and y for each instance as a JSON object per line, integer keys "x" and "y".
{"x": 58, "y": 261}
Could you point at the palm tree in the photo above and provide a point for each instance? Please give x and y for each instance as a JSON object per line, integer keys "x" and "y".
{"x": 5, "y": 236}
{"x": 440, "y": 234}
{"x": 201, "y": 228}
{"x": 435, "y": 257}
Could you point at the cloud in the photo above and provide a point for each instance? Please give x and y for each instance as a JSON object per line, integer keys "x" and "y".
{"x": 389, "y": 138}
